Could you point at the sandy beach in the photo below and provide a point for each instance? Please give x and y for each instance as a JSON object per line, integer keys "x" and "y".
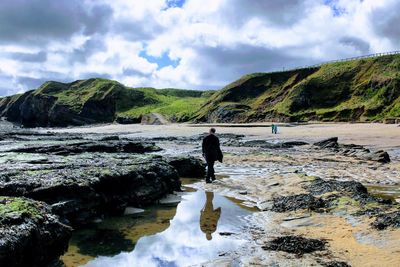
{"x": 369, "y": 134}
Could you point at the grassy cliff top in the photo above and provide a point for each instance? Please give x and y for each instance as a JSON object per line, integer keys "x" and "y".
{"x": 364, "y": 89}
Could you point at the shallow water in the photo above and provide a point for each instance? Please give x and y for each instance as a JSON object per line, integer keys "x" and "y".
{"x": 201, "y": 227}
{"x": 385, "y": 191}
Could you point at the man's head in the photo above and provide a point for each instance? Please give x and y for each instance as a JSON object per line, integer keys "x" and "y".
{"x": 208, "y": 236}
{"x": 212, "y": 131}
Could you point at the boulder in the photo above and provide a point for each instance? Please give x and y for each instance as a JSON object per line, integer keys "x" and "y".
{"x": 188, "y": 166}
{"x": 30, "y": 234}
{"x": 379, "y": 156}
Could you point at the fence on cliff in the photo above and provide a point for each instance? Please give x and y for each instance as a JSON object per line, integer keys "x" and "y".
{"x": 338, "y": 60}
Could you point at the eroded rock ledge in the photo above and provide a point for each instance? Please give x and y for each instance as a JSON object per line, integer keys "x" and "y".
{"x": 82, "y": 187}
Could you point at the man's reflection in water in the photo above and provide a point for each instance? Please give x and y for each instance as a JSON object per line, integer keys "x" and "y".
{"x": 209, "y": 217}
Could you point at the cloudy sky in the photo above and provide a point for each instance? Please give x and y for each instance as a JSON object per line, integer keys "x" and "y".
{"x": 198, "y": 44}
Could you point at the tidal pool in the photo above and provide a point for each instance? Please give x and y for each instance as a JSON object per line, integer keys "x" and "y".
{"x": 385, "y": 191}
{"x": 203, "y": 226}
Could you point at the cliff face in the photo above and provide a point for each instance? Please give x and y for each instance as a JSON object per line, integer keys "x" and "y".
{"x": 96, "y": 101}
{"x": 58, "y": 104}
{"x": 360, "y": 90}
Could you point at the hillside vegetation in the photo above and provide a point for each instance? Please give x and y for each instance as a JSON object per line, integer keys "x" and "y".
{"x": 358, "y": 90}
{"x": 97, "y": 100}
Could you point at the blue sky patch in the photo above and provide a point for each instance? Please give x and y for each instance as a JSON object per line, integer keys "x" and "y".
{"x": 337, "y": 10}
{"x": 175, "y": 3}
{"x": 162, "y": 61}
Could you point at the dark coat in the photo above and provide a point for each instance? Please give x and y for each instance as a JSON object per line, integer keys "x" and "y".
{"x": 211, "y": 149}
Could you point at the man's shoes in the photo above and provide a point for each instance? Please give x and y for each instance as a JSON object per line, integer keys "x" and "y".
{"x": 208, "y": 181}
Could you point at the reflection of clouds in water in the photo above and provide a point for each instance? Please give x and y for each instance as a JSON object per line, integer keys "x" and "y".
{"x": 183, "y": 242}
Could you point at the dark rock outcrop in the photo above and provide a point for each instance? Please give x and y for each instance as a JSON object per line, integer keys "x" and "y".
{"x": 188, "y": 166}
{"x": 30, "y": 234}
{"x": 107, "y": 145}
{"x": 266, "y": 144}
{"x": 328, "y": 143}
{"x": 351, "y": 150}
{"x": 386, "y": 220}
{"x": 127, "y": 120}
{"x": 336, "y": 264}
{"x": 228, "y": 113}
{"x": 82, "y": 187}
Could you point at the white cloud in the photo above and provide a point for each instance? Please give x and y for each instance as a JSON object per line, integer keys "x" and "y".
{"x": 212, "y": 42}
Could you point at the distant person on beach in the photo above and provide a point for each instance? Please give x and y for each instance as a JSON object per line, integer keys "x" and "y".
{"x": 274, "y": 128}
{"x": 209, "y": 216}
{"x": 211, "y": 152}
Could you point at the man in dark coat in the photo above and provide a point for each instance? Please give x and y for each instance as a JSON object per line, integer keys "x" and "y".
{"x": 212, "y": 152}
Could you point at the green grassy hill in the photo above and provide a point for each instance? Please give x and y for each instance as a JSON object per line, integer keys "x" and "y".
{"x": 359, "y": 90}
{"x": 98, "y": 100}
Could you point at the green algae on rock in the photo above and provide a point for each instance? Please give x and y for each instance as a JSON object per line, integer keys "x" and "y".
{"x": 30, "y": 234}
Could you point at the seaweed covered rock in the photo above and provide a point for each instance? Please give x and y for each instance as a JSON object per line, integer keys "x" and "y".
{"x": 295, "y": 244}
{"x": 336, "y": 264}
{"x": 188, "y": 166}
{"x": 30, "y": 235}
{"x": 386, "y": 220}
{"x": 295, "y": 202}
{"x": 320, "y": 186}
